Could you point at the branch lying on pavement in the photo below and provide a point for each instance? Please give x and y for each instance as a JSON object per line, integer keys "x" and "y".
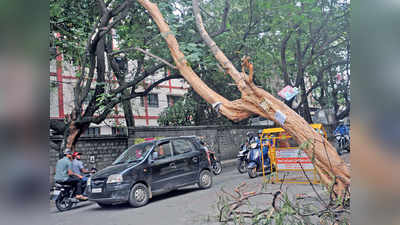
{"x": 234, "y": 206}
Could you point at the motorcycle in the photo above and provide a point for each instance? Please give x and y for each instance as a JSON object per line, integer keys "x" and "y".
{"x": 242, "y": 158}
{"x": 342, "y": 139}
{"x": 63, "y": 195}
{"x": 254, "y": 160}
{"x": 212, "y": 157}
{"x": 343, "y": 143}
{"x": 214, "y": 161}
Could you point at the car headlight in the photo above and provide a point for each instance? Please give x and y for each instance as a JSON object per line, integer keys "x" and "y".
{"x": 88, "y": 181}
{"x": 115, "y": 178}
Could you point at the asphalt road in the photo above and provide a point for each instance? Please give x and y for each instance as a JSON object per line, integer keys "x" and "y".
{"x": 184, "y": 206}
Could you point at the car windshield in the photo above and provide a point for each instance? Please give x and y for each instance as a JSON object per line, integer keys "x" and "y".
{"x": 135, "y": 153}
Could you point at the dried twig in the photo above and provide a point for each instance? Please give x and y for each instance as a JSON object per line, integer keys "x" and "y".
{"x": 312, "y": 185}
{"x": 232, "y": 203}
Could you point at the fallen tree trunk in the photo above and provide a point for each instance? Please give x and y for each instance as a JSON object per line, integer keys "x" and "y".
{"x": 255, "y": 100}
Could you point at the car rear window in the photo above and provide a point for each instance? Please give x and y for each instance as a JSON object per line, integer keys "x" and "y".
{"x": 182, "y": 146}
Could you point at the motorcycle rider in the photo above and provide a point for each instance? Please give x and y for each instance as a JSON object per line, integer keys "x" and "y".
{"x": 265, "y": 146}
{"x": 342, "y": 135}
{"x": 342, "y": 128}
{"x": 77, "y": 165}
{"x": 64, "y": 174}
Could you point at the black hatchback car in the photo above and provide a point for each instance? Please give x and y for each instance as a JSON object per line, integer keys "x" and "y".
{"x": 151, "y": 168}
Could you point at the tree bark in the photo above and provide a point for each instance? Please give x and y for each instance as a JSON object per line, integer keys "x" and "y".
{"x": 254, "y": 100}
{"x": 128, "y": 113}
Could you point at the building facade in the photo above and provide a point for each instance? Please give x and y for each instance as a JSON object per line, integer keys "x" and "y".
{"x": 146, "y": 110}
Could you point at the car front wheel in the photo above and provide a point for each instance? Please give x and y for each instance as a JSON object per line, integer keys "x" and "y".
{"x": 139, "y": 195}
{"x": 205, "y": 179}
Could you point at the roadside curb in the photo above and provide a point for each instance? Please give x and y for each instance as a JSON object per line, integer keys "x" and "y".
{"x": 228, "y": 163}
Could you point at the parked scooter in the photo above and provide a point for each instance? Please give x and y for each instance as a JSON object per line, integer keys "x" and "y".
{"x": 242, "y": 158}
{"x": 342, "y": 138}
{"x": 244, "y": 151}
{"x": 63, "y": 195}
{"x": 255, "y": 160}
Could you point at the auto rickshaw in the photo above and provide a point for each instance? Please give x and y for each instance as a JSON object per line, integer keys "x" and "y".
{"x": 286, "y": 155}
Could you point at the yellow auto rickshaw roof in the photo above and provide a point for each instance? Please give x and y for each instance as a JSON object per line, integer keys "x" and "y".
{"x": 280, "y": 129}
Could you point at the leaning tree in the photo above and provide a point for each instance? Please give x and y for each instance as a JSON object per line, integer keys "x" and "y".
{"x": 254, "y": 100}
{"x": 84, "y": 32}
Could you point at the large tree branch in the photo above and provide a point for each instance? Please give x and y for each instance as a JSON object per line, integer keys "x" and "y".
{"x": 100, "y": 81}
{"x": 300, "y": 66}
{"x": 253, "y": 101}
{"x": 320, "y": 74}
{"x": 155, "y": 84}
{"x": 120, "y": 8}
{"x": 105, "y": 25}
{"x": 224, "y": 61}
{"x": 91, "y": 47}
{"x": 137, "y": 80}
{"x": 283, "y": 58}
{"x": 146, "y": 53}
{"x": 103, "y": 6}
{"x": 315, "y": 35}
{"x": 57, "y": 125}
{"x": 82, "y": 96}
{"x": 222, "y": 28}
{"x": 316, "y": 55}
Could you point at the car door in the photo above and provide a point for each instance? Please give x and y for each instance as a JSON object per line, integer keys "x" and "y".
{"x": 186, "y": 159}
{"x": 163, "y": 168}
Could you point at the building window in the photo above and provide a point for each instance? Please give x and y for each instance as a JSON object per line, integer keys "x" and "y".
{"x": 152, "y": 100}
{"x": 118, "y": 130}
{"x": 172, "y": 99}
{"x": 92, "y": 131}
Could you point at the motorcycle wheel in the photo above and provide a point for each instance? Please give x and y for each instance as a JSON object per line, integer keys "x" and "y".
{"x": 348, "y": 146}
{"x": 217, "y": 168}
{"x": 252, "y": 172}
{"x": 241, "y": 166}
{"x": 338, "y": 148}
{"x": 63, "y": 204}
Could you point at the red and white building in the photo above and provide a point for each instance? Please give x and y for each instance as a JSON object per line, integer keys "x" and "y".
{"x": 146, "y": 110}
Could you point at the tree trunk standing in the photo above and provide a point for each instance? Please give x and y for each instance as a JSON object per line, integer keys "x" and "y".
{"x": 72, "y": 132}
{"x": 304, "y": 107}
{"x": 128, "y": 113}
{"x": 120, "y": 69}
{"x": 255, "y": 101}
